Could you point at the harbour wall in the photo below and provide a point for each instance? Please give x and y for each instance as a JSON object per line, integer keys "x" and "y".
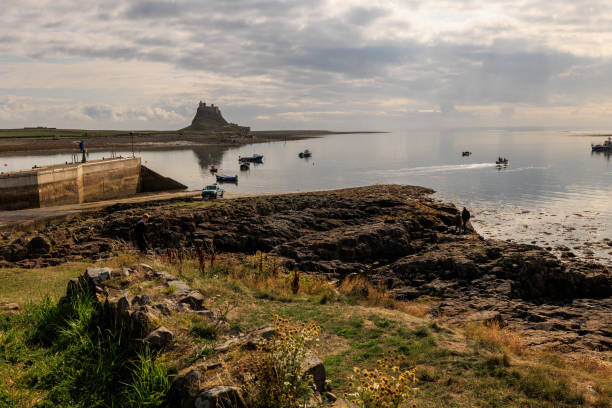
{"x": 96, "y": 180}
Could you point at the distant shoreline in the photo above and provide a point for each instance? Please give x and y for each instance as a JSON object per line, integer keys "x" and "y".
{"x": 46, "y": 140}
{"x": 593, "y": 135}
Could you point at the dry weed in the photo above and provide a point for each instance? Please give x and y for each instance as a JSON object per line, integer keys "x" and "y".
{"x": 495, "y": 337}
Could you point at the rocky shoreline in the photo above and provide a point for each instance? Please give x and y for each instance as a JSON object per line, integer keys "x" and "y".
{"x": 397, "y": 236}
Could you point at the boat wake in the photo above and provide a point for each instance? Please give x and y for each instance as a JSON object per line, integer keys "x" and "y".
{"x": 436, "y": 169}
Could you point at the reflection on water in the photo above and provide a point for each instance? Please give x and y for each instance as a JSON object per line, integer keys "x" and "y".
{"x": 606, "y": 154}
{"x": 547, "y": 172}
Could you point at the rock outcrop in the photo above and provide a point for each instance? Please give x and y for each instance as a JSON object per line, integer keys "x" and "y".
{"x": 156, "y": 316}
{"x": 396, "y": 235}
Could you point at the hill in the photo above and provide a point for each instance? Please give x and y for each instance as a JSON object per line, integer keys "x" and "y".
{"x": 209, "y": 118}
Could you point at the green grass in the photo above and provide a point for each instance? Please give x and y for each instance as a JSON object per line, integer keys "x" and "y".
{"x": 21, "y": 285}
{"x": 60, "y": 356}
{"x": 72, "y": 133}
{"x": 204, "y": 329}
{"x": 66, "y": 358}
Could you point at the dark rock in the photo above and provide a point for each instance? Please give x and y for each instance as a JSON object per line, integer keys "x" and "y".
{"x": 141, "y": 300}
{"x": 98, "y": 275}
{"x": 141, "y": 321}
{"x": 185, "y": 387}
{"x": 159, "y": 337}
{"x": 314, "y": 367}
{"x": 193, "y": 298}
{"x": 220, "y": 397}
{"x": 330, "y": 397}
{"x": 38, "y": 245}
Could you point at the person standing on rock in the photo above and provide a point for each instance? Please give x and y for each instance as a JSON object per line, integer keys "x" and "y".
{"x": 458, "y": 222}
{"x": 140, "y": 233}
{"x": 465, "y": 216}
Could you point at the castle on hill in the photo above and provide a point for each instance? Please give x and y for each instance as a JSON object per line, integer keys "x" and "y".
{"x": 210, "y": 111}
{"x": 209, "y": 118}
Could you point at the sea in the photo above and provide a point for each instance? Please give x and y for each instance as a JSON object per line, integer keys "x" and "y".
{"x": 555, "y": 192}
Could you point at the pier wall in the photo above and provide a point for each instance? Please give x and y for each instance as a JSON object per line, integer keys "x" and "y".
{"x": 102, "y": 181}
{"x": 19, "y": 191}
{"x": 70, "y": 184}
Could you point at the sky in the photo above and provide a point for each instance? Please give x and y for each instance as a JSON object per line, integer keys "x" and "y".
{"x": 314, "y": 64}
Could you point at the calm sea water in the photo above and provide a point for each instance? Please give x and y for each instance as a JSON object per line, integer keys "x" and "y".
{"x": 554, "y": 190}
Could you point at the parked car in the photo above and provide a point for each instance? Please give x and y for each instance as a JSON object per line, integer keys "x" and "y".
{"x": 212, "y": 191}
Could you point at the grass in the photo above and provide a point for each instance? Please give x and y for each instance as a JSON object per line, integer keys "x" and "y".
{"x": 49, "y": 133}
{"x": 60, "y": 355}
{"x": 457, "y": 366}
{"x": 21, "y": 285}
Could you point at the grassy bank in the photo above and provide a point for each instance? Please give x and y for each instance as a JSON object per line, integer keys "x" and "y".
{"x": 42, "y": 362}
{"x": 51, "y": 133}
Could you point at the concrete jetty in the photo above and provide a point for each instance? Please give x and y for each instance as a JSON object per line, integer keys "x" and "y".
{"x": 77, "y": 183}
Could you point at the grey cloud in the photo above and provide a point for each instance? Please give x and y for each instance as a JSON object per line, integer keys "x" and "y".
{"x": 98, "y": 112}
{"x": 364, "y": 16}
{"x": 154, "y": 41}
{"x": 5, "y": 39}
{"x": 305, "y": 54}
{"x": 155, "y": 9}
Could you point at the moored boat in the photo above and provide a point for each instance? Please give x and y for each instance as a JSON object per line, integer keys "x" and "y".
{"x": 226, "y": 179}
{"x": 305, "y": 153}
{"x": 245, "y": 166}
{"x": 466, "y": 153}
{"x": 255, "y": 158}
{"x": 213, "y": 169}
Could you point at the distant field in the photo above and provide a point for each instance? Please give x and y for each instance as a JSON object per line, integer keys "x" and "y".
{"x": 47, "y": 133}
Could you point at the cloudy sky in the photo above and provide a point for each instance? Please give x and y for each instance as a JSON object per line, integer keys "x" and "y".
{"x": 332, "y": 64}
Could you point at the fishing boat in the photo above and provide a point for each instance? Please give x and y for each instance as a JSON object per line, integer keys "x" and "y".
{"x": 226, "y": 179}
{"x": 213, "y": 169}
{"x": 305, "y": 153}
{"x": 245, "y": 166}
{"x": 255, "y": 158}
{"x": 603, "y": 147}
{"x": 466, "y": 153}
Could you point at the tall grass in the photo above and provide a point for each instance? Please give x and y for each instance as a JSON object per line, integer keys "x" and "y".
{"x": 150, "y": 382}
{"x": 71, "y": 358}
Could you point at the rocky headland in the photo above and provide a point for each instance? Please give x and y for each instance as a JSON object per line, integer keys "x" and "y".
{"x": 396, "y": 236}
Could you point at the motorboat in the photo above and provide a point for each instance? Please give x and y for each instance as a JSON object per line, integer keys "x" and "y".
{"x": 213, "y": 169}
{"x": 226, "y": 179}
{"x": 501, "y": 161}
{"x": 305, "y": 153}
{"x": 255, "y": 158}
{"x": 245, "y": 166}
{"x": 603, "y": 147}
{"x": 466, "y": 153}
